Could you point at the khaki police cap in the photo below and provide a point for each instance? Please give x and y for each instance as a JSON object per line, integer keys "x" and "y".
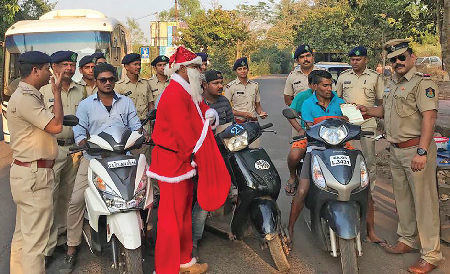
{"x": 396, "y": 47}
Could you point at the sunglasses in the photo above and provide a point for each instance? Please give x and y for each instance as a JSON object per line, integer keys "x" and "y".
{"x": 104, "y": 80}
{"x": 400, "y": 57}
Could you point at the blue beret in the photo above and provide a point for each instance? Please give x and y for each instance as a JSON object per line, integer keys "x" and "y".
{"x": 34, "y": 57}
{"x": 203, "y": 55}
{"x": 131, "y": 57}
{"x": 161, "y": 58}
{"x": 241, "y": 62}
{"x": 64, "y": 55}
{"x": 302, "y": 49}
{"x": 86, "y": 60}
{"x": 358, "y": 51}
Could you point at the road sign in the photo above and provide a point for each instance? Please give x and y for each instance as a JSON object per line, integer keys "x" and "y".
{"x": 145, "y": 55}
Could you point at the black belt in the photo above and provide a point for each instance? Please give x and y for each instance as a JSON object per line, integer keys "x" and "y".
{"x": 168, "y": 149}
{"x": 65, "y": 142}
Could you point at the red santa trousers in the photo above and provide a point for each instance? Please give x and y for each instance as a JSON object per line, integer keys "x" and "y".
{"x": 174, "y": 240}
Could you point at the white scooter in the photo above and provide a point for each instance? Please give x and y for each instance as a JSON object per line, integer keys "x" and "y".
{"x": 118, "y": 190}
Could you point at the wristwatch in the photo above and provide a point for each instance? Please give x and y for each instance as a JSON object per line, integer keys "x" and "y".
{"x": 421, "y": 151}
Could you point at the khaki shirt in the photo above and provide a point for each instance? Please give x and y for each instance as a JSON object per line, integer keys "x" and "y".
{"x": 88, "y": 90}
{"x": 243, "y": 97}
{"x": 404, "y": 103}
{"x": 27, "y": 118}
{"x": 157, "y": 86}
{"x": 70, "y": 100}
{"x": 297, "y": 81}
{"x": 361, "y": 89}
{"x": 141, "y": 94}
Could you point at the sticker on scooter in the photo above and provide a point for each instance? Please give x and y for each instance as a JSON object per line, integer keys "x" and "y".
{"x": 122, "y": 163}
{"x": 236, "y": 129}
{"x": 340, "y": 160}
{"x": 262, "y": 165}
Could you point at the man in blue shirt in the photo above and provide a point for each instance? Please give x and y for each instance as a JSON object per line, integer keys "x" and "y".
{"x": 96, "y": 113}
{"x": 324, "y": 103}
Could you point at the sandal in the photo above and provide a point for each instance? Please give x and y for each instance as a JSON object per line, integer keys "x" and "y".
{"x": 291, "y": 188}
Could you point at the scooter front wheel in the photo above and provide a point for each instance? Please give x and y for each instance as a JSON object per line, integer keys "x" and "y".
{"x": 349, "y": 261}
{"x": 130, "y": 260}
{"x": 278, "y": 254}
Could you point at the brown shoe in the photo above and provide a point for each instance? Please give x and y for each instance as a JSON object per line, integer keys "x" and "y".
{"x": 399, "y": 248}
{"x": 421, "y": 267}
{"x": 194, "y": 269}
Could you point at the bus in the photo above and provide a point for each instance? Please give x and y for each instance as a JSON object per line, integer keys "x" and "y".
{"x": 80, "y": 30}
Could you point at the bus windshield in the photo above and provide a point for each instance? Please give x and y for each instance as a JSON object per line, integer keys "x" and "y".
{"x": 83, "y": 43}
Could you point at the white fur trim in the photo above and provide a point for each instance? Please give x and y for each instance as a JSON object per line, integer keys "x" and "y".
{"x": 191, "y": 263}
{"x": 169, "y": 71}
{"x": 187, "y": 87}
{"x": 211, "y": 114}
{"x": 177, "y": 179}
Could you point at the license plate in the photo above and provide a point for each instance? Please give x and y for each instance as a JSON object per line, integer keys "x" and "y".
{"x": 340, "y": 160}
{"x": 122, "y": 163}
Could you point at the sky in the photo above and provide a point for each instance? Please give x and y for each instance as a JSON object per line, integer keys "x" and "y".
{"x": 144, "y": 9}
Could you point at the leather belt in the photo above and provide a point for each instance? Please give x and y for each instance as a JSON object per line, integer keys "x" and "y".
{"x": 65, "y": 142}
{"x": 410, "y": 143}
{"x": 40, "y": 163}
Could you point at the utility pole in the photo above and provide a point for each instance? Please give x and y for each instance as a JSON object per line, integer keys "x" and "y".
{"x": 176, "y": 11}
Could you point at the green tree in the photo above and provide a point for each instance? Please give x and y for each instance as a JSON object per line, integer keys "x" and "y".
{"x": 33, "y": 9}
{"x": 186, "y": 9}
{"x": 137, "y": 35}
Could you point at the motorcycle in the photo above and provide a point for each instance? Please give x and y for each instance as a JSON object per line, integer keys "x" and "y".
{"x": 251, "y": 207}
{"x": 338, "y": 195}
{"x": 118, "y": 189}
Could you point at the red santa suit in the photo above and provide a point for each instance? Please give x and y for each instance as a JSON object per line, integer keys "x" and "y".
{"x": 185, "y": 146}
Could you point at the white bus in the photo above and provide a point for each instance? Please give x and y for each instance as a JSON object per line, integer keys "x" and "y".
{"x": 79, "y": 30}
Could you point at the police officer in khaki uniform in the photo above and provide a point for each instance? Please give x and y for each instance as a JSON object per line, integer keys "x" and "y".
{"x": 86, "y": 67}
{"x": 159, "y": 81}
{"x": 141, "y": 93}
{"x": 244, "y": 96}
{"x": 297, "y": 80}
{"x": 65, "y": 168}
{"x": 363, "y": 86}
{"x": 98, "y": 58}
{"x": 410, "y": 110}
{"x": 34, "y": 148}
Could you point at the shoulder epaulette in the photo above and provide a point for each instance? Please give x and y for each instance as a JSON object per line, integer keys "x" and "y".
{"x": 254, "y": 82}
{"x": 26, "y": 90}
{"x": 231, "y": 83}
{"x": 120, "y": 81}
{"x": 420, "y": 74}
{"x": 374, "y": 71}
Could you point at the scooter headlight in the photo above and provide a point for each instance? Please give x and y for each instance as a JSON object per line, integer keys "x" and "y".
{"x": 317, "y": 175}
{"x": 364, "y": 174}
{"x": 112, "y": 200}
{"x": 333, "y": 135}
{"x": 237, "y": 142}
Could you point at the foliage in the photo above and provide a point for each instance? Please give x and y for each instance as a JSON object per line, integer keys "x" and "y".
{"x": 137, "y": 35}
{"x": 186, "y": 9}
{"x": 33, "y": 9}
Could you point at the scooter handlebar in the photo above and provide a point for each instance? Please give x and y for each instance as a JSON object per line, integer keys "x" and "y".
{"x": 266, "y": 126}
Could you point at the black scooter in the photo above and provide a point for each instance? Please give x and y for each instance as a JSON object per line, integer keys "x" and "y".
{"x": 339, "y": 190}
{"x": 251, "y": 207}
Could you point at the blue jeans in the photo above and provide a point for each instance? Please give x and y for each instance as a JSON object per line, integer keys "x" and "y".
{"x": 198, "y": 223}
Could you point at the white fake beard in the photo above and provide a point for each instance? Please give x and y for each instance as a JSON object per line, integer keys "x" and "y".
{"x": 195, "y": 83}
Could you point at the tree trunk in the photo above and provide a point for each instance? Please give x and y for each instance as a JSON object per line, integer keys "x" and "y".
{"x": 445, "y": 35}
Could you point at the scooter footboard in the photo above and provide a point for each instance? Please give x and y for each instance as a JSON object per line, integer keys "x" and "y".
{"x": 265, "y": 215}
{"x": 343, "y": 218}
{"x": 127, "y": 227}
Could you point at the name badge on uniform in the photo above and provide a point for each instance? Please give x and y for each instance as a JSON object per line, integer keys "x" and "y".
{"x": 51, "y": 100}
{"x": 347, "y": 82}
{"x": 240, "y": 92}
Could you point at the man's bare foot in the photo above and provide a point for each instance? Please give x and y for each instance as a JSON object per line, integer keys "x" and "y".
{"x": 372, "y": 238}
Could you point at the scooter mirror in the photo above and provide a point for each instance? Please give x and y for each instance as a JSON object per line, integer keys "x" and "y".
{"x": 70, "y": 120}
{"x": 289, "y": 113}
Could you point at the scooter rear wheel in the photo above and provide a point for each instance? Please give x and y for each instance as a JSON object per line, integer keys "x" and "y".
{"x": 278, "y": 254}
{"x": 349, "y": 261}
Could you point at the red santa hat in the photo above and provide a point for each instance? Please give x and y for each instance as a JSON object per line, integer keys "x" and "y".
{"x": 181, "y": 57}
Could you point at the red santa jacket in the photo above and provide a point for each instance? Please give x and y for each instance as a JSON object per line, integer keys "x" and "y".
{"x": 177, "y": 129}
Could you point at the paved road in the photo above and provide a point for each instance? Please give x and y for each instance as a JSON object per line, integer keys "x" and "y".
{"x": 225, "y": 256}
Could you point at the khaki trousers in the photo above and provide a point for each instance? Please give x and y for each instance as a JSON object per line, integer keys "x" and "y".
{"x": 368, "y": 150}
{"x": 65, "y": 169}
{"x": 31, "y": 188}
{"x": 417, "y": 202}
{"x": 77, "y": 206}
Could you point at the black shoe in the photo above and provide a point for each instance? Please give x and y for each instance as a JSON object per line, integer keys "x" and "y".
{"x": 68, "y": 264}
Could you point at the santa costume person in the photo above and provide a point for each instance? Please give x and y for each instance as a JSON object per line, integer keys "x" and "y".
{"x": 185, "y": 147}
